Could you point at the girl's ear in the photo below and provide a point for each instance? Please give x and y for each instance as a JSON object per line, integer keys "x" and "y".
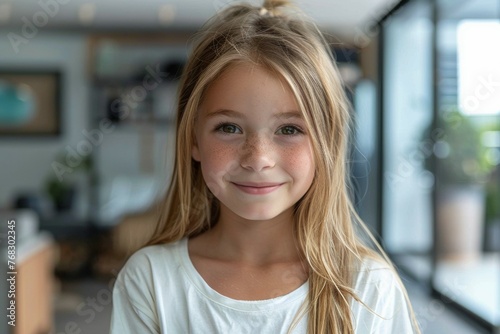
{"x": 195, "y": 152}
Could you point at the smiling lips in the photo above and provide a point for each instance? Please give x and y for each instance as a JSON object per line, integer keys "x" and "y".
{"x": 257, "y": 188}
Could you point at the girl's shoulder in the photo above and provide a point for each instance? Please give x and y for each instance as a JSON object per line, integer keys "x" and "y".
{"x": 374, "y": 277}
{"x": 372, "y": 269}
{"x": 148, "y": 275}
{"x": 383, "y": 304}
{"x": 152, "y": 261}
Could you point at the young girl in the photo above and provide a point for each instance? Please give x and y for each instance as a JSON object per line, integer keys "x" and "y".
{"x": 257, "y": 232}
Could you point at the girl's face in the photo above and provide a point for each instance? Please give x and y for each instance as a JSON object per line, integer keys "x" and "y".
{"x": 252, "y": 143}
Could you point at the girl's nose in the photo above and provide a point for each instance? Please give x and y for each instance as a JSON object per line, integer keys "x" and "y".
{"x": 257, "y": 153}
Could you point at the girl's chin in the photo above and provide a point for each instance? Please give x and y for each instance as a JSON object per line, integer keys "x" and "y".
{"x": 254, "y": 213}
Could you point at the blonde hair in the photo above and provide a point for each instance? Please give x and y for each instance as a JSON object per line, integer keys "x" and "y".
{"x": 282, "y": 42}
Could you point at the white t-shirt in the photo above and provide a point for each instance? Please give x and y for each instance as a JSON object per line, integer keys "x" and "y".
{"x": 160, "y": 291}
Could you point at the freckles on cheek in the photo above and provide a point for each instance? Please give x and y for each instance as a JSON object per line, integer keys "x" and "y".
{"x": 217, "y": 153}
{"x": 217, "y": 163}
{"x": 217, "y": 160}
{"x": 299, "y": 157}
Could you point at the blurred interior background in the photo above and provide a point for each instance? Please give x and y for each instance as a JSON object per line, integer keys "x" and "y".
{"x": 87, "y": 95}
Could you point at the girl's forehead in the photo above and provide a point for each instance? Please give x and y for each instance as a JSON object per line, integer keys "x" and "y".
{"x": 249, "y": 85}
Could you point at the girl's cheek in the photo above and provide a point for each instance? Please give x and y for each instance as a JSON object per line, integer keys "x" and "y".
{"x": 220, "y": 153}
{"x": 299, "y": 156}
{"x": 218, "y": 161}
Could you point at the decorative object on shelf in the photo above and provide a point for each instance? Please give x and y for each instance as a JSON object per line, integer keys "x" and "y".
{"x": 145, "y": 97}
{"x": 30, "y": 102}
{"x": 120, "y": 56}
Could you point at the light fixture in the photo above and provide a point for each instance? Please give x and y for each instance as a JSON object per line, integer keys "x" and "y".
{"x": 86, "y": 13}
{"x": 166, "y": 14}
{"x": 5, "y": 12}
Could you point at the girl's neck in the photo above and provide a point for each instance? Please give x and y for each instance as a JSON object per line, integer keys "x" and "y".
{"x": 256, "y": 243}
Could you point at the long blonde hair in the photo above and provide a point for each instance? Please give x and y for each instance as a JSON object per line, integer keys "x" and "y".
{"x": 276, "y": 37}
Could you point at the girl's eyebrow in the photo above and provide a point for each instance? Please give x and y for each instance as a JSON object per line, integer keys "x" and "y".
{"x": 289, "y": 114}
{"x": 237, "y": 114}
{"x": 225, "y": 112}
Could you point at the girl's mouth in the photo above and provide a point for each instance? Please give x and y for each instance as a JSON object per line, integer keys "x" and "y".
{"x": 257, "y": 188}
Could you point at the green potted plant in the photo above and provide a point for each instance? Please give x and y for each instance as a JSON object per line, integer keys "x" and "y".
{"x": 461, "y": 157}
{"x": 63, "y": 191}
{"x": 461, "y": 171}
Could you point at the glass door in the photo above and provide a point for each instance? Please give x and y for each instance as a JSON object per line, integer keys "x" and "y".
{"x": 407, "y": 118}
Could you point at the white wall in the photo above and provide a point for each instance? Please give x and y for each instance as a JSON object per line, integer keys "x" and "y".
{"x": 25, "y": 163}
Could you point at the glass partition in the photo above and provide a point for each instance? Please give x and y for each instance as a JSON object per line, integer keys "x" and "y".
{"x": 441, "y": 150}
{"x": 407, "y": 116}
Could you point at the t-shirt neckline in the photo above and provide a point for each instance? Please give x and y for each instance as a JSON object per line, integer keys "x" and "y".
{"x": 202, "y": 286}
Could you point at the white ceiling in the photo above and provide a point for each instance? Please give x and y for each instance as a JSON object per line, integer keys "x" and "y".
{"x": 348, "y": 19}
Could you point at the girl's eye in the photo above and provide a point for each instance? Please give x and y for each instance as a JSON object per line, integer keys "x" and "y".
{"x": 227, "y": 128}
{"x": 290, "y": 130}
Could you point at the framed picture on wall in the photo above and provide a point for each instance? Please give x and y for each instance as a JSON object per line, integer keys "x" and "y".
{"x": 30, "y": 102}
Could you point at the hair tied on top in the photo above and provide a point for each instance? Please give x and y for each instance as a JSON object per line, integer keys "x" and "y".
{"x": 263, "y": 11}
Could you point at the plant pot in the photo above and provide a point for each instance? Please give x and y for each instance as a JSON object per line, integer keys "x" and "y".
{"x": 492, "y": 236}
{"x": 460, "y": 223}
{"x": 65, "y": 202}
